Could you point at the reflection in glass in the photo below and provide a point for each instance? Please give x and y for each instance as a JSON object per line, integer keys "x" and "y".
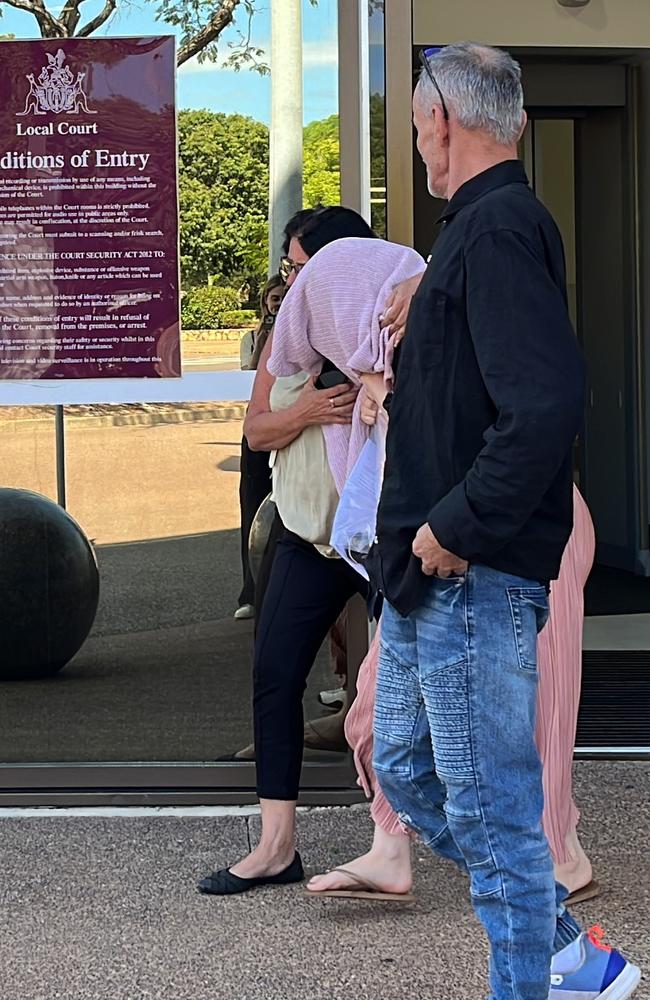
{"x": 547, "y": 149}
{"x": 165, "y": 673}
{"x": 377, "y": 76}
{"x": 28, "y": 448}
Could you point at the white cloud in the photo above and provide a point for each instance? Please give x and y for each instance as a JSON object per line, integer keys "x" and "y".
{"x": 320, "y": 53}
{"x": 315, "y": 55}
{"x": 193, "y": 66}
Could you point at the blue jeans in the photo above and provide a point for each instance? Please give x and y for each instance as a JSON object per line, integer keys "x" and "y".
{"x": 457, "y": 683}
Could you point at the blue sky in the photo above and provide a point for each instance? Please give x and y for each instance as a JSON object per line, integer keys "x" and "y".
{"x": 208, "y": 86}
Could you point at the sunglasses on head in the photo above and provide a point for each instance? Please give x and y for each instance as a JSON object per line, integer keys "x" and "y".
{"x": 425, "y": 55}
{"x": 287, "y": 266}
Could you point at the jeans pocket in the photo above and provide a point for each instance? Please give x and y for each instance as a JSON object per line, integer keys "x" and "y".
{"x": 529, "y": 610}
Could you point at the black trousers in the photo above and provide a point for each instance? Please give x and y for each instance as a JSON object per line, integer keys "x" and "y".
{"x": 254, "y": 486}
{"x": 304, "y": 596}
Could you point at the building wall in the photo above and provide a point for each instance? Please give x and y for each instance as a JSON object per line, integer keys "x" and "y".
{"x": 608, "y": 23}
{"x": 399, "y": 130}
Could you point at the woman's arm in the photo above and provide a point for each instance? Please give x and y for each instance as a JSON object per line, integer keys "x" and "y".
{"x": 269, "y": 431}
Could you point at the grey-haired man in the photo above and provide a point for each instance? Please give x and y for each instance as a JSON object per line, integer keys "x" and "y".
{"x": 475, "y": 513}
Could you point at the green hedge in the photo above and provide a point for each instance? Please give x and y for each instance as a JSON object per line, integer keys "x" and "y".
{"x": 204, "y": 307}
{"x": 239, "y": 319}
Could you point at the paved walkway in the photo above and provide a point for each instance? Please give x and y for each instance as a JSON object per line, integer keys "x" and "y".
{"x": 105, "y": 909}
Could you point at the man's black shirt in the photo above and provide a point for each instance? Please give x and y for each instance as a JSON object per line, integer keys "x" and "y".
{"x": 489, "y": 395}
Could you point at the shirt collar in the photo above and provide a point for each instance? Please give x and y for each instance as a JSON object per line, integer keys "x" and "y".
{"x": 507, "y": 172}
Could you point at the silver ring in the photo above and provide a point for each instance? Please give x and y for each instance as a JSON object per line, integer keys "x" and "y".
{"x": 332, "y": 403}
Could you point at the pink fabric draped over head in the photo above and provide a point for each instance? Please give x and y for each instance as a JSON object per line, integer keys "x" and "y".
{"x": 332, "y": 311}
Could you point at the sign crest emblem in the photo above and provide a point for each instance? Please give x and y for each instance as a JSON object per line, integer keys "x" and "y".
{"x": 56, "y": 91}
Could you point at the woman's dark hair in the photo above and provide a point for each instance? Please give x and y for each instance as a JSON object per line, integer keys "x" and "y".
{"x": 295, "y": 225}
{"x": 314, "y": 228}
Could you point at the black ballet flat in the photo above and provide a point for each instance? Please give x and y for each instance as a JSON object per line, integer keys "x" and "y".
{"x": 224, "y": 883}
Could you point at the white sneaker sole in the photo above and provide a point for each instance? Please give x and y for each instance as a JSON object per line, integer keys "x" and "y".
{"x": 624, "y": 985}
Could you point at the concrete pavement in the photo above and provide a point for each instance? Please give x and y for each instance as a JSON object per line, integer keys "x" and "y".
{"x": 105, "y": 909}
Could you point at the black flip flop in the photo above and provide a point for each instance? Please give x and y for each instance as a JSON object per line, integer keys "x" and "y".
{"x": 224, "y": 883}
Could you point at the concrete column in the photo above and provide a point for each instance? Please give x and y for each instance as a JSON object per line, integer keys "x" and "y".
{"x": 285, "y": 189}
{"x": 354, "y": 105}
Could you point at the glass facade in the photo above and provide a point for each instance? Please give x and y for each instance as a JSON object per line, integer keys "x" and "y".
{"x": 377, "y": 89}
{"x": 583, "y": 167}
{"x": 165, "y": 674}
{"x": 28, "y": 448}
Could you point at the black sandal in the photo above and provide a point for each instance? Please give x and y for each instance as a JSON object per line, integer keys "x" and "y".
{"x": 224, "y": 883}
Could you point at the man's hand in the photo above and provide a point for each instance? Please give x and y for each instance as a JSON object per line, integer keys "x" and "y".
{"x": 397, "y": 305}
{"x": 436, "y": 561}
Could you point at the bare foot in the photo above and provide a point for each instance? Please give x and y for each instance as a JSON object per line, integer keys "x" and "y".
{"x": 264, "y": 861}
{"x": 389, "y": 875}
{"x": 577, "y": 872}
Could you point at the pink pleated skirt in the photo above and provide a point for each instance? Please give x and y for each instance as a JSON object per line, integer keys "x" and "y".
{"x": 560, "y": 672}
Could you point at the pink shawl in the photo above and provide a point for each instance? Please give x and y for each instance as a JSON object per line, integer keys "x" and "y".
{"x": 332, "y": 311}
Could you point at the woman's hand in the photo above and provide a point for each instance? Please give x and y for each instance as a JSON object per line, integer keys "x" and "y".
{"x": 266, "y": 430}
{"x": 397, "y": 306}
{"x": 374, "y": 390}
{"x": 368, "y": 409}
{"x": 326, "y": 406}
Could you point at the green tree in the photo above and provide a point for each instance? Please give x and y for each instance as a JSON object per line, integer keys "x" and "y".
{"x": 322, "y": 168}
{"x": 378, "y": 162}
{"x": 224, "y": 182}
{"x": 322, "y": 163}
{"x": 201, "y": 22}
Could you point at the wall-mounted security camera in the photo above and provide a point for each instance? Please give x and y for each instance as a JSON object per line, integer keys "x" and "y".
{"x": 573, "y": 3}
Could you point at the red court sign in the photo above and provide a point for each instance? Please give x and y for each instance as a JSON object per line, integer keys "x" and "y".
{"x": 89, "y": 278}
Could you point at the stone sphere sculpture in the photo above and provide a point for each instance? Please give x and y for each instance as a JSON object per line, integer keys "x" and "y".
{"x": 49, "y": 586}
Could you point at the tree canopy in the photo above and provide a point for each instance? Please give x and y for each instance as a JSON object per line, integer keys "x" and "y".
{"x": 224, "y": 194}
{"x": 224, "y": 191}
{"x": 201, "y": 22}
{"x": 321, "y": 163}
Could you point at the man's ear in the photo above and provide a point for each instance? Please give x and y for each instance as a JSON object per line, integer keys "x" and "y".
{"x": 524, "y": 122}
{"x": 440, "y": 124}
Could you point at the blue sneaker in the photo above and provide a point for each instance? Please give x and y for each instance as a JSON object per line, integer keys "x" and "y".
{"x": 589, "y": 970}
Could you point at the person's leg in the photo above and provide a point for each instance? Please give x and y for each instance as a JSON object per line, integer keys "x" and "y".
{"x": 403, "y": 762}
{"x": 338, "y": 647}
{"x": 254, "y": 487}
{"x": 476, "y": 649}
{"x": 247, "y": 593}
{"x": 305, "y": 594}
{"x": 474, "y": 713}
{"x": 560, "y": 674}
{"x": 247, "y": 753}
{"x": 388, "y": 862}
